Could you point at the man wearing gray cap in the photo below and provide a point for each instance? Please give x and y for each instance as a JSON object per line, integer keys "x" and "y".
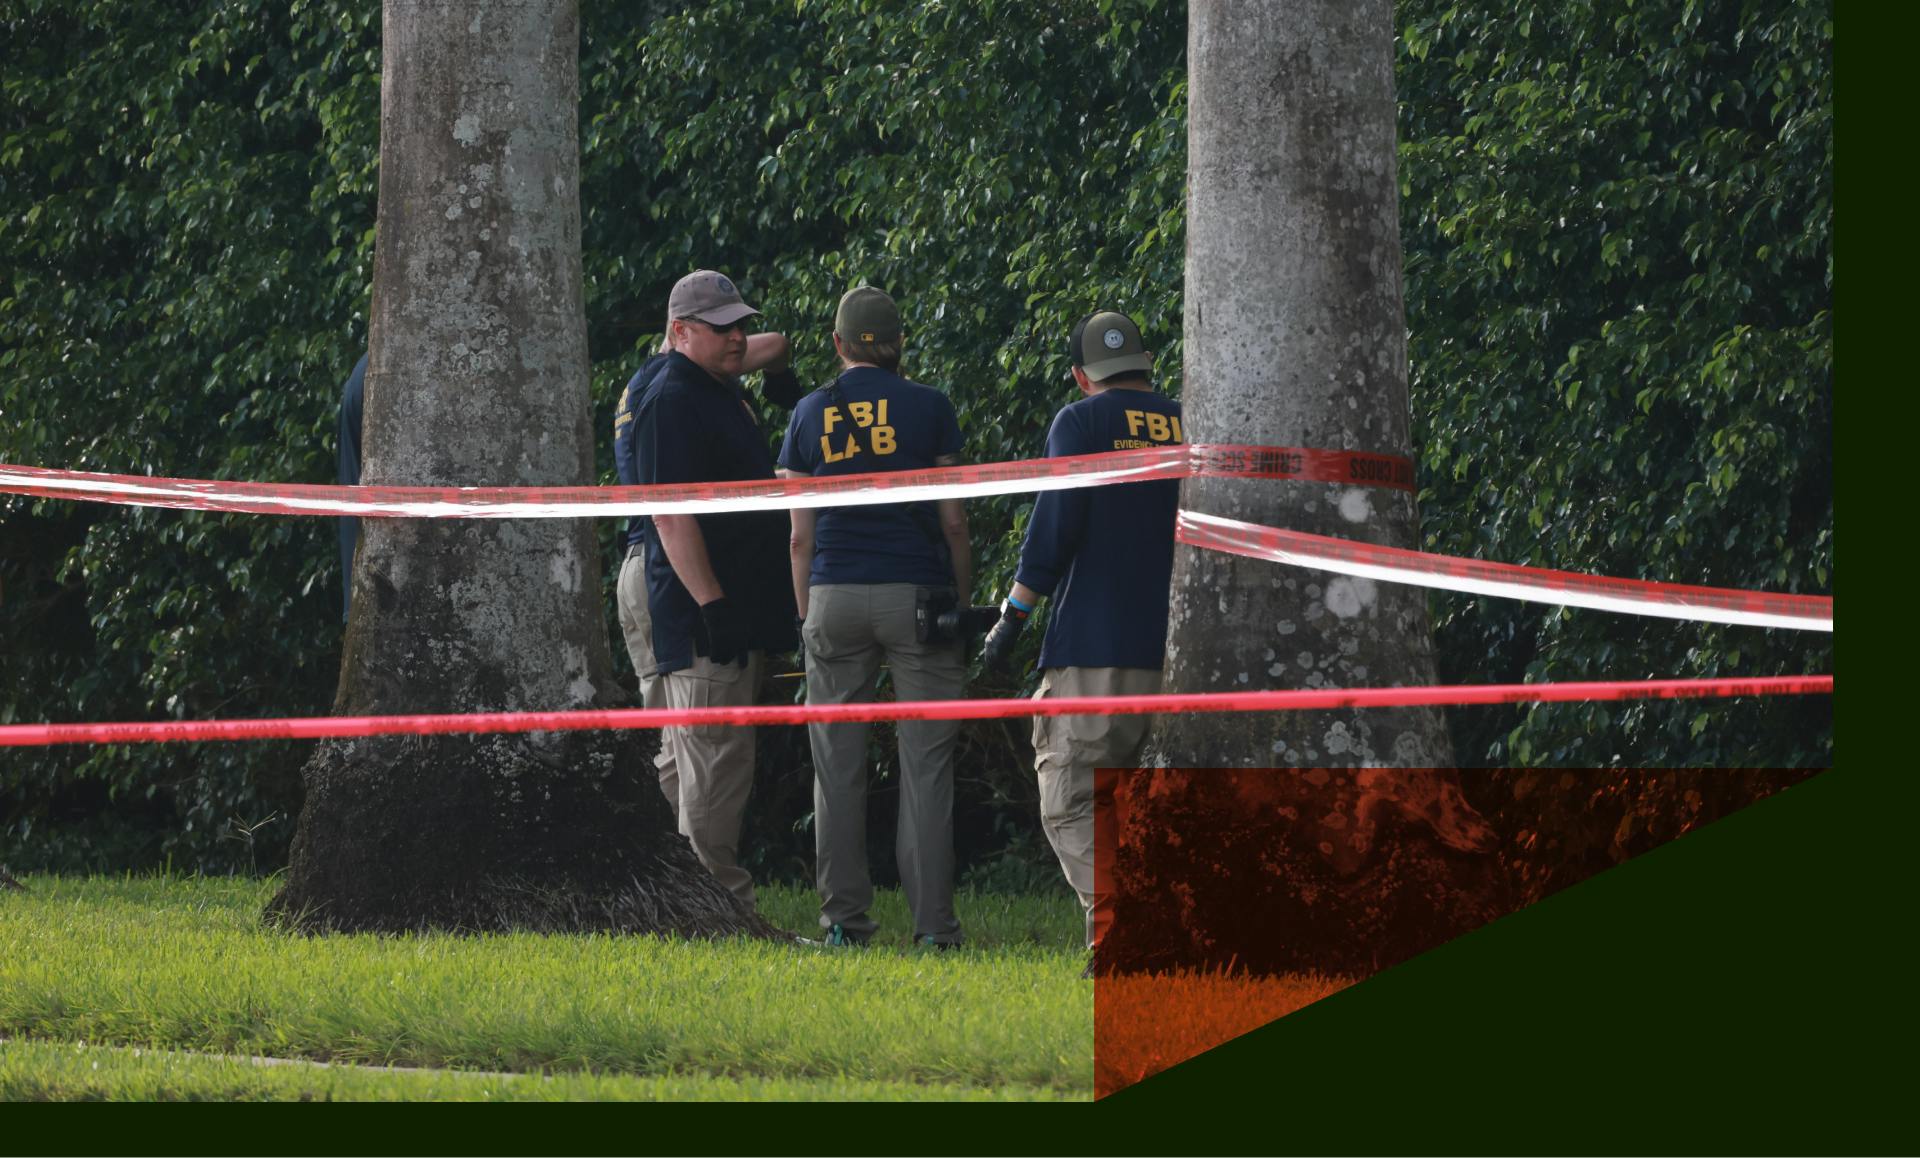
{"x": 716, "y": 585}
{"x": 767, "y": 353}
{"x": 1106, "y": 556}
{"x": 866, "y": 577}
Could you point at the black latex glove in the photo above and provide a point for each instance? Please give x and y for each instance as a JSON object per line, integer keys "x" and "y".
{"x": 721, "y": 632}
{"x": 997, "y": 652}
{"x": 781, "y": 387}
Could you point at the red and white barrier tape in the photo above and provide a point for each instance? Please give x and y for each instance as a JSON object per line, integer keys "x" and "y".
{"x": 1505, "y": 580}
{"x": 953, "y": 482}
{"x": 319, "y": 727}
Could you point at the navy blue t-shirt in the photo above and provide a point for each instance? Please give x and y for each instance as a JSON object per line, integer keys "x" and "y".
{"x": 1105, "y": 554}
{"x": 688, "y": 426}
{"x": 879, "y": 422}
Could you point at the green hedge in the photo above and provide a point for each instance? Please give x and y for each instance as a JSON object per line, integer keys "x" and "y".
{"x": 1619, "y": 282}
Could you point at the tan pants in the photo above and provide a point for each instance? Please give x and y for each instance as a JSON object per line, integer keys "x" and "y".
{"x": 715, "y": 764}
{"x": 850, "y": 629}
{"x": 1066, "y": 751}
{"x": 636, "y": 625}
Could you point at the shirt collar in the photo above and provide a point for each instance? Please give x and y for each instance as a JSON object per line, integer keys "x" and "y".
{"x": 685, "y": 365}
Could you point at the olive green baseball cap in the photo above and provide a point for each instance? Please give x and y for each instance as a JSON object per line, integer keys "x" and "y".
{"x": 1107, "y": 343}
{"x": 868, "y": 316}
{"x": 709, "y": 295}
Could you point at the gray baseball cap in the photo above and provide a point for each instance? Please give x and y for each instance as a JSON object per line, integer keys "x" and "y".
{"x": 1107, "y": 343}
{"x": 710, "y": 296}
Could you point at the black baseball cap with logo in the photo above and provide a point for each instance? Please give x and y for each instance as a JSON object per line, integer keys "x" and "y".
{"x": 1106, "y": 344}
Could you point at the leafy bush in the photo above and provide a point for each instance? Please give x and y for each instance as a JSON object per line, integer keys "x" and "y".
{"x": 1618, "y": 224}
{"x": 1618, "y": 237}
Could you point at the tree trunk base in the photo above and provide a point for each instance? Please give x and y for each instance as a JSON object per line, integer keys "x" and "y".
{"x": 476, "y": 834}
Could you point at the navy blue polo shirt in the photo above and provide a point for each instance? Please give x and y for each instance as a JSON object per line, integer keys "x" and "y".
{"x": 688, "y": 426}
{"x": 874, "y": 421}
{"x": 1105, "y": 554}
{"x": 780, "y": 387}
{"x": 625, "y": 463}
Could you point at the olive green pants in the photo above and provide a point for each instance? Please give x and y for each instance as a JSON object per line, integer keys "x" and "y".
{"x": 849, "y": 631}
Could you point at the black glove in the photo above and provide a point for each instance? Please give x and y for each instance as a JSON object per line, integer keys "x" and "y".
{"x": 997, "y": 652}
{"x": 721, "y": 632}
{"x": 781, "y": 387}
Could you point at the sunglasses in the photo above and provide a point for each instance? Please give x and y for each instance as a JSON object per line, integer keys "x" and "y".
{"x": 741, "y": 325}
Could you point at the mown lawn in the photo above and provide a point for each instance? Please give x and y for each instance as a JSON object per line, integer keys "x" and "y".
{"x": 183, "y": 965}
{"x": 46, "y": 1071}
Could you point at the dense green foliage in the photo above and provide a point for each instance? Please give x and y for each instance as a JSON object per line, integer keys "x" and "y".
{"x": 1619, "y": 236}
{"x": 1619, "y": 241}
{"x": 186, "y": 204}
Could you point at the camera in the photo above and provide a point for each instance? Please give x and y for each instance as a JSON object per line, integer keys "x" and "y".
{"x": 939, "y": 618}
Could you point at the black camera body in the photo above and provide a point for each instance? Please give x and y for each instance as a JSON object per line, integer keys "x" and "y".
{"x": 939, "y": 618}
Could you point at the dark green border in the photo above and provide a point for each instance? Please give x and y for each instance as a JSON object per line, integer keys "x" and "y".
{"x": 1717, "y": 993}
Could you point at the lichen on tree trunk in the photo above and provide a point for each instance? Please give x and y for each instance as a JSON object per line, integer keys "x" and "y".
{"x": 1296, "y": 336}
{"x": 477, "y": 375}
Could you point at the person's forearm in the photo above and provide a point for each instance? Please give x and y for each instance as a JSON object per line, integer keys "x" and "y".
{"x": 800, "y": 559}
{"x": 767, "y": 351}
{"x": 1026, "y": 594}
{"x": 1053, "y": 538}
{"x": 800, "y": 547}
{"x": 686, "y": 550}
{"x": 960, "y": 549}
{"x": 953, "y": 528}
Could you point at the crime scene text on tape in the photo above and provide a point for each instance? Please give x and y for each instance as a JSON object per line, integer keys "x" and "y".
{"x": 323, "y": 727}
{"x": 1505, "y": 580}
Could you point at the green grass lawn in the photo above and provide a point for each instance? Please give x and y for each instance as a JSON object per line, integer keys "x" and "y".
{"x": 36, "y": 1071}
{"x": 183, "y": 965}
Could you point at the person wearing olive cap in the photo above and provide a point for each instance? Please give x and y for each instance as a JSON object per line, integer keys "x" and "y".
{"x": 1105, "y": 555}
{"x": 861, "y": 576}
{"x": 768, "y": 354}
{"x": 716, "y": 589}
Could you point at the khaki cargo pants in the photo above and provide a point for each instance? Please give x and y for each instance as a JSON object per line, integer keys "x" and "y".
{"x": 636, "y": 625}
{"x": 705, "y": 773}
{"x": 715, "y": 764}
{"x": 1066, "y": 751}
{"x": 850, "y": 629}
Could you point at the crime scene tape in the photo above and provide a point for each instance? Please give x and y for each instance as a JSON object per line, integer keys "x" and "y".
{"x": 953, "y": 482}
{"x": 1505, "y": 580}
{"x": 322, "y": 727}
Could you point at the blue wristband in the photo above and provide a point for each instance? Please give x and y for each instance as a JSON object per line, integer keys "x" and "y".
{"x": 1019, "y": 606}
